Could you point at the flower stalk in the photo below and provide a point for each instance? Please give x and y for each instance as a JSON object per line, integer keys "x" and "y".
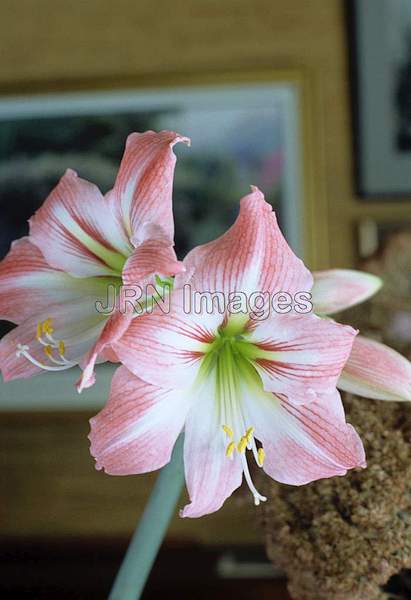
{"x": 149, "y": 534}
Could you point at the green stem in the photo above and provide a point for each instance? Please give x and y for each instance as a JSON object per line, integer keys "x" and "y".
{"x": 149, "y": 534}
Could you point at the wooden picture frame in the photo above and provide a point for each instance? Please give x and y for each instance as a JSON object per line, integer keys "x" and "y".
{"x": 380, "y": 48}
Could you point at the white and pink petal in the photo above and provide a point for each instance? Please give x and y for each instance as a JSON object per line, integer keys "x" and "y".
{"x": 376, "y": 371}
{"x": 305, "y": 443}
{"x": 116, "y": 325}
{"x": 29, "y": 284}
{"x": 338, "y": 289}
{"x": 151, "y": 258}
{"x": 300, "y": 355}
{"x": 79, "y": 231}
{"x": 143, "y": 188}
{"x": 137, "y": 429}
{"x": 252, "y": 256}
{"x": 211, "y": 477}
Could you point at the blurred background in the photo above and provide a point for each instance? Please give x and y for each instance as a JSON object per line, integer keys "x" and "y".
{"x": 309, "y": 100}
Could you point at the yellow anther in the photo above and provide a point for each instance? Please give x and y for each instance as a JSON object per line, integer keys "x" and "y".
{"x": 62, "y": 348}
{"x": 230, "y": 449}
{"x": 248, "y": 434}
{"x": 39, "y": 330}
{"x": 228, "y": 431}
{"x": 48, "y": 351}
{"x": 242, "y": 444}
{"x": 47, "y": 328}
{"x": 261, "y": 456}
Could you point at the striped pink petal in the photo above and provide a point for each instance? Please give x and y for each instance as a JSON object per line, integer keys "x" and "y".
{"x": 376, "y": 371}
{"x": 165, "y": 348}
{"x": 305, "y": 443}
{"x": 300, "y": 355}
{"x": 114, "y": 328}
{"x": 150, "y": 258}
{"x": 211, "y": 477}
{"x": 137, "y": 429}
{"x": 78, "y": 231}
{"x": 28, "y": 284}
{"x": 143, "y": 187}
{"x": 338, "y": 289}
{"x": 252, "y": 256}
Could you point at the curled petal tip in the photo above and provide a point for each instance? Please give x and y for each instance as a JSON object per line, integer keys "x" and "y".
{"x": 255, "y": 199}
{"x": 182, "y": 138}
{"x": 256, "y": 192}
{"x": 85, "y": 381}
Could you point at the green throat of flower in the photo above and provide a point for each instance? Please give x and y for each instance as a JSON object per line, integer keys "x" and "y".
{"x": 228, "y": 361}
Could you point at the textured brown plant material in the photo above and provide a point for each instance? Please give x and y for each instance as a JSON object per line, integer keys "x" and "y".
{"x": 343, "y": 538}
{"x": 387, "y": 315}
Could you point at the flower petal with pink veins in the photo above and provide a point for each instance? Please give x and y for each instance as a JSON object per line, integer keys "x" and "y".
{"x": 79, "y": 231}
{"x": 76, "y": 323}
{"x": 137, "y": 429}
{"x": 114, "y": 328}
{"x": 143, "y": 187}
{"x": 28, "y": 283}
{"x": 338, "y": 289}
{"x": 305, "y": 443}
{"x": 148, "y": 259}
{"x": 376, "y": 371}
{"x": 252, "y": 256}
{"x": 300, "y": 355}
{"x": 108, "y": 354}
{"x": 211, "y": 477}
{"x": 165, "y": 348}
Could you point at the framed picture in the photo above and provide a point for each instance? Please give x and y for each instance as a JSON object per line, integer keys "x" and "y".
{"x": 241, "y": 135}
{"x": 380, "y": 44}
{"x": 243, "y": 132}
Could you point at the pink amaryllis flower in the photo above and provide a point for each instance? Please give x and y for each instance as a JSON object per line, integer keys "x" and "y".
{"x": 373, "y": 370}
{"x": 234, "y": 384}
{"x": 79, "y": 243}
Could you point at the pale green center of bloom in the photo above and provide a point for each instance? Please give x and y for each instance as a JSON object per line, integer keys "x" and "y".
{"x": 228, "y": 360}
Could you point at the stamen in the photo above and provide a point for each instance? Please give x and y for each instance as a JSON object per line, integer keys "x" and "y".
{"x": 23, "y": 350}
{"x": 248, "y": 434}
{"x": 47, "y": 328}
{"x": 228, "y": 431}
{"x": 261, "y": 457}
{"x": 230, "y": 449}
{"x": 246, "y": 441}
{"x": 48, "y": 350}
{"x": 242, "y": 444}
{"x": 249, "y": 437}
{"x": 49, "y": 345}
